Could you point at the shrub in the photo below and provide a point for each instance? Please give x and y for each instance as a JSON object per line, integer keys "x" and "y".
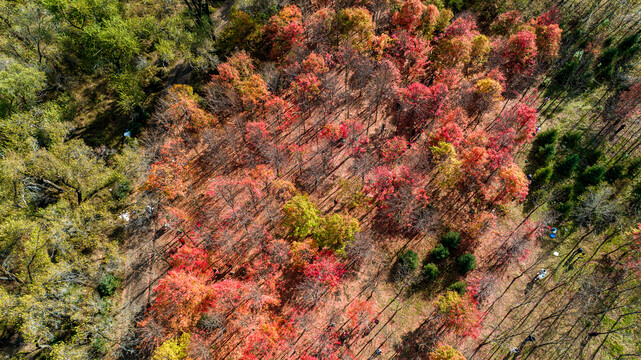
{"x": 543, "y": 155}
{"x": 451, "y": 240}
{"x": 615, "y": 172}
{"x": 466, "y": 263}
{"x": 440, "y": 252}
{"x": 591, "y": 156}
{"x": 632, "y": 167}
{"x": 564, "y": 193}
{"x": 108, "y": 285}
{"x": 430, "y": 272}
{"x": 459, "y": 286}
{"x": 175, "y": 348}
{"x": 445, "y": 352}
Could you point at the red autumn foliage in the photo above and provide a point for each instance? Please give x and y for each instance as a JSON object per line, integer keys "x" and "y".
{"x": 629, "y": 104}
{"x": 166, "y": 174}
{"x": 460, "y": 313}
{"x": 393, "y": 149}
{"x": 307, "y": 87}
{"x": 420, "y": 103}
{"x": 280, "y": 113}
{"x": 507, "y": 23}
{"x": 314, "y": 63}
{"x": 285, "y": 30}
{"x": 326, "y": 270}
{"x": 384, "y": 182}
{"x": 236, "y": 85}
{"x": 257, "y": 136}
{"x": 409, "y": 15}
{"x": 191, "y": 259}
{"x": 521, "y": 52}
{"x": 513, "y": 185}
{"x": 449, "y": 132}
{"x": 179, "y": 108}
{"x": 360, "y": 313}
{"x": 267, "y": 341}
{"x": 410, "y": 55}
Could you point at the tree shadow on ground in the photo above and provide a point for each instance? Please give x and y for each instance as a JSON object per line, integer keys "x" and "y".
{"x": 417, "y": 344}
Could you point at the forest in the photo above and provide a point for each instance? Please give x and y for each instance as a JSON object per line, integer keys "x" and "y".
{"x": 323, "y": 179}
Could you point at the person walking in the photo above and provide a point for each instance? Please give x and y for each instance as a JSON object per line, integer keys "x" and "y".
{"x": 541, "y": 274}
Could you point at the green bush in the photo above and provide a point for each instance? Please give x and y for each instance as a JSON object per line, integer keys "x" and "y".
{"x": 547, "y": 137}
{"x": 99, "y": 346}
{"x": 440, "y": 252}
{"x": 121, "y": 189}
{"x": 108, "y": 285}
{"x": 590, "y": 177}
{"x": 408, "y": 260}
{"x": 541, "y": 178}
{"x": 564, "y": 193}
{"x": 571, "y": 140}
{"x": 430, "y": 272}
{"x": 466, "y": 263}
{"x": 564, "y": 168}
{"x": 635, "y": 195}
{"x": 544, "y": 155}
{"x": 591, "y": 156}
{"x": 564, "y": 209}
{"x": 459, "y": 286}
{"x": 632, "y": 167}
{"x": 451, "y": 240}
{"x": 336, "y": 231}
{"x": 615, "y": 172}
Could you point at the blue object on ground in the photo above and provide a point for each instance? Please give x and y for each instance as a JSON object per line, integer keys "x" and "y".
{"x": 552, "y": 236}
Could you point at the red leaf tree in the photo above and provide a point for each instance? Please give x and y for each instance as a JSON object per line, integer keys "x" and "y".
{"x": 409, "y": 15}
{"x": 236, "y": 85}
{"x": 420, "y": 104}
{"x": 285, "y": 30}
{"x": 460, "y": 313}
{"x": 521, "y": 52}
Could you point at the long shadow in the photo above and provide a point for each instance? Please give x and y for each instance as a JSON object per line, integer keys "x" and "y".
{"x": 417, "y": 344}
{"x": 131, "y": 348}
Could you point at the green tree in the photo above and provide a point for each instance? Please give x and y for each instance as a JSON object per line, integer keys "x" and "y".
{"x": 541, "y": 178}
{"x": 19, "y": 86}
{"x": 571, "y": 140}
{"x": 430, "y": 272}
{"x": 563, "y": 169}
{"x": 173, "y": 349}
{"x": 590, "y": 177}
{"x": 301, "y": 216}
{"x": 451, "y": 240}
{"x": 336, "y": 231}
{"x": 440, "y": 252}
{"x": 460, "y": 287}
{"x": 466, "y": 263}
{"x": 406, "y": 263}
